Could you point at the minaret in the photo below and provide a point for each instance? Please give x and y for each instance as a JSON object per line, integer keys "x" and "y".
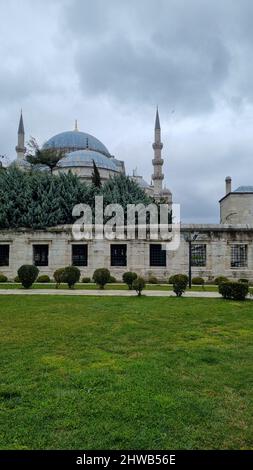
{"x": 157, "y": 161}
{"x": 20, "y": 148}
{"x": 76, "y": 126}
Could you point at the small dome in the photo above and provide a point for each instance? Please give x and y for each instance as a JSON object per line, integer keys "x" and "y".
{"x": 84, "y": 158}
{"x": 76, "y": 140}
{"x": 244, "y": 189}
{"x": 21, "y": 163}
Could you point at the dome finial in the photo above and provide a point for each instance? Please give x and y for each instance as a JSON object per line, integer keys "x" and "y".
{"x": 76, "y": 126}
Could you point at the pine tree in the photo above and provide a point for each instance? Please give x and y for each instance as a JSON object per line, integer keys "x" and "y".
{"x": 48, "y": 157}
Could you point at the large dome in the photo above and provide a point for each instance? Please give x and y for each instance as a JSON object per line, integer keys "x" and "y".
{"x": 76, "y": 140}
{"x": 85, "y": 158}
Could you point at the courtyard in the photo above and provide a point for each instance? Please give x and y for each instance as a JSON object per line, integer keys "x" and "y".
{"x": 125, "y": 372}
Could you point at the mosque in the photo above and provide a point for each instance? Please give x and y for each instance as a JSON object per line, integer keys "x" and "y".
{"x": 81, "y": 149}
{"x": 208, "y": 250}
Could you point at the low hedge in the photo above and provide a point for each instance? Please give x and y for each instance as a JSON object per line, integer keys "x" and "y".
{"x": 3, "y": 278}
{"x": 86, "y": 280}
{"x": 218, "y": 280}
{"x": 43, "y": 278}
{"x": 152, "y": 280}
{"x": 198, "y": 281}
{"x": 233, "y": 290}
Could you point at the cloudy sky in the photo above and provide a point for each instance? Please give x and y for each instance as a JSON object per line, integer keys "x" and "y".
{"x": 108, "y": 63}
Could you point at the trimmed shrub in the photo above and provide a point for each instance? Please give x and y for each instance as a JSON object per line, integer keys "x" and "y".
{"x": 128, "y": 278}
{"x": 139, "y": 284}
{"x": 171, "y": 279}
{"x": 16, "y": 279}
{"x": 71, "y": 276}
{"x": 246, "y": 281}
{"x": 3, "y": 278}
{"x": 43, "y": 278}
{"x": 234, "y": 290}
{"x": 28, "y": 275}
{"x": 58, "y": 276}
{"x": 112, "y": 279}
{"x": 86, "y": 280}
{"x": 198, "y": 281}
{"x": 101, "y": 277}
{"x": 152, "y": 280}
{"x": 218, "y": 280}
{"x": 180, "y": 282}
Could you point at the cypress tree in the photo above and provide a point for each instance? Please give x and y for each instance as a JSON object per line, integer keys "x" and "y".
{"x": 96, "y": 180}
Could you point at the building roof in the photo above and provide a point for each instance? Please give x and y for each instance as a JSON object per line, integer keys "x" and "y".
{"x": 244, "y": 189}
{"x": 76, "y": 140}
{"x": 85, "y": 158}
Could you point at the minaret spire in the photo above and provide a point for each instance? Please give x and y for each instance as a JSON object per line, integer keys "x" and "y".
{"x": 157, "y": 120}
{"x": 20, "y": 148}
{"x": 157, "y": 161}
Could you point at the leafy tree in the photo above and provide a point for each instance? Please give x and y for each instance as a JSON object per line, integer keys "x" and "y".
{"x": 48, "y": 157}
{"x": 139, "y": 284}
{"x": 96, "y": 180}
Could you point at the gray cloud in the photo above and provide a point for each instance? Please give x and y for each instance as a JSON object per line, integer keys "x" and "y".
{"x": 109, "y": 63}
{"x": 155, "y": 52}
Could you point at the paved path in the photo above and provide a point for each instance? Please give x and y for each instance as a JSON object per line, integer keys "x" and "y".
{"x": 114, "y": 293}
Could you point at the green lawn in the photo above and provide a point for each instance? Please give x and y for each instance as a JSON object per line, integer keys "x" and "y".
{"x": 114, "y": 286}
{"x": 92, "y": 286}
{"x": 127, "y": 373}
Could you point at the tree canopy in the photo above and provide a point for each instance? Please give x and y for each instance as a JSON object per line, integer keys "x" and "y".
{"x": 49, "y": 157}
{"x": 39, "y": 199}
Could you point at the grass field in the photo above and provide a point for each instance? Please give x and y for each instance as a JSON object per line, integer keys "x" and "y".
{"x": 92, "y": 286}
{"x": 127, "y": 373}
{"x": 113, "y": 286}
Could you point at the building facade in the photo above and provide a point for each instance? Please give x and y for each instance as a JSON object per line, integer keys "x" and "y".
{"x": 218, "y": 249}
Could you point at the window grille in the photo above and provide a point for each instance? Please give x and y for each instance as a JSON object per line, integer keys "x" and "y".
{"x": 198, "y": 255}
{"x": 239, "y": 256}
{"x": 4, "y": 255}
{"x": 40, "y": 255}
{"x": 157, "y": 255}
{"x": 118, "y": 255}
{"x": 79, "y": 255}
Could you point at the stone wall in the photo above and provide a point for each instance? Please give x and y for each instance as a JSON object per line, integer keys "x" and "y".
{"x": 217, "y": 238}
{"x": 237, "y": 208}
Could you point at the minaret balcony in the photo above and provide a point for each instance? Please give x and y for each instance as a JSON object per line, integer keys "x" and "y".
{"x": 20, "y": 149}
{"x": 157, "y": 145}
{"x": 158, "y": 162}
{"x": 157, "y": 177}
